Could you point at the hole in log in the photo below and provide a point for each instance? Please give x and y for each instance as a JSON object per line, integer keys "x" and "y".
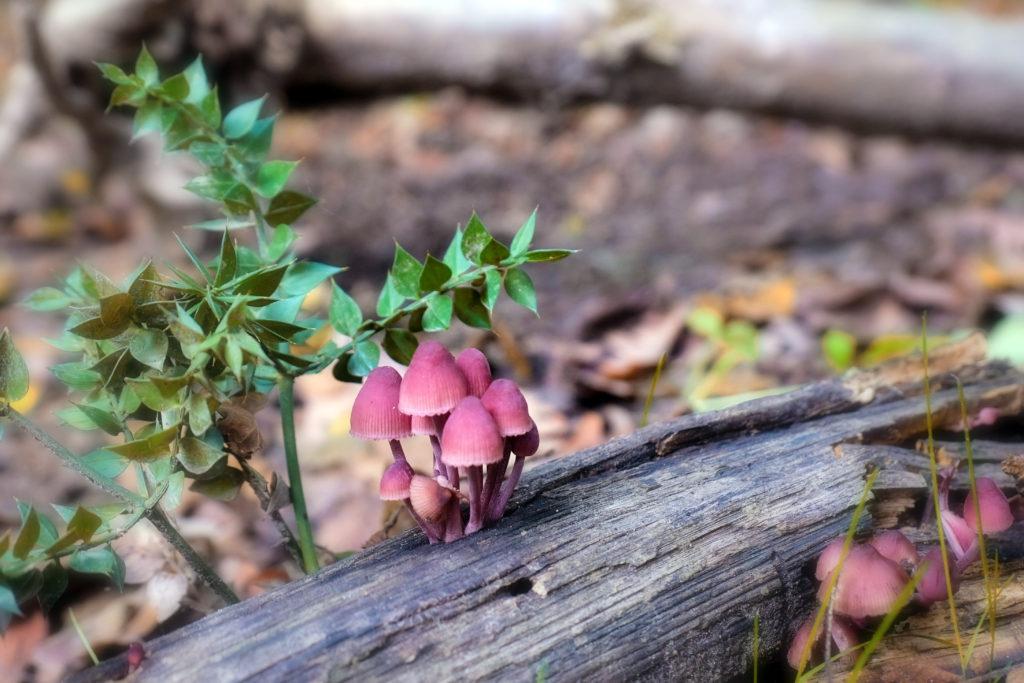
{"x": 519, "y": 586}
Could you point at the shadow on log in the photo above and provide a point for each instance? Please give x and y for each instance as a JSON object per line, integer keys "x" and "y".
{"x": 645, "y": 558}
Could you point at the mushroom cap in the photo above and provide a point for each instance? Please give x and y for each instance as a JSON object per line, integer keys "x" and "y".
{"x": 828, "y": 559}
{"x": 932, "y": 586}
{"x": 526, "y": 444}
{"x": 423, "y": 425}
{"x": 895, "y": 546}
{"x": 394, "y": 484}
{"x": 433, "y": 384}
{"x": 796, "y": 648}
{"x": 375, "y": 413}
{"x": 868, "y": 584}
{"x": 508, "y": 406}
{"x": 471, "y": 436}
{"x": 428, "y": 498}
{"x": 996, "y": 515}
{"x": 476, "y": 369}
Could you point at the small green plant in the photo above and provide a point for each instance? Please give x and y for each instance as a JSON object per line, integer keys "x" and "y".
{"x": 726, "y": 345}
{"x": 172, "y": 362}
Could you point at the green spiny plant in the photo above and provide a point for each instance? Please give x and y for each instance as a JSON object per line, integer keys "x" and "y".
{"x": 172, "y": 363}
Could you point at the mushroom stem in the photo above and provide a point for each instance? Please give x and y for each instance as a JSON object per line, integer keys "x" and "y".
{"x": 452, "y": 472}
{"x": 453, "y": 530}
{"x": 475, "y": 476}
{"x": 428, "y": 529}
{"x": 397, "y": 451}
{"x": 499, "y": 504}
{"x": 439, "y": 468}
{"x": 495, "y": 474}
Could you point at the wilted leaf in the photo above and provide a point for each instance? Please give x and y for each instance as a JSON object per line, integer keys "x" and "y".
{"x": 27, "y": 537}
{"x": 197, "y": 456}
{"x": 149, "y": 347}
{"x": 151, "y": 448}
{"x": 239, "y": 429}
{"x": 222, "y": 487}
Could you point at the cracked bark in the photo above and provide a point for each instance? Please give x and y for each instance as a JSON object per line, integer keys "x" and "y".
{"x": 644, "y": 558}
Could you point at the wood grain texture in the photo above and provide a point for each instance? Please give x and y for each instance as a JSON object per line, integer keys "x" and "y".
{"x": 645, "y": 558}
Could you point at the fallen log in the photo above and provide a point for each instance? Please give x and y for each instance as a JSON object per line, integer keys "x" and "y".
{"x": 647, "y": 557}
{"x": 909, "y": 67}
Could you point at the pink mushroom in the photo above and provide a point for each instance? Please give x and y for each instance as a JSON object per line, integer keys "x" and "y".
{"x": 995, "y": 510}
{"x": 470, "y": 441}
{"x": 868, "y": 584}
{"x": 894, "y": 546}
{"x": 476, "y": 369}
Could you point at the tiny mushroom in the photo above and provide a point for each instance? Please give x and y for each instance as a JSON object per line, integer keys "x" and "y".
{"x": 429, "y": 499}
{"x": 476, "y": 369}
{"x": 995, "y": 510}
{"x": 895, "y": 546}
{"x": 375, "y": 414}
{"x": 844, "y": 636}
{"x": 932, "y": 586}
{"x": 829, "y": 559}
{"x": 471, "y": 440}
{"x": 868, "y": 584}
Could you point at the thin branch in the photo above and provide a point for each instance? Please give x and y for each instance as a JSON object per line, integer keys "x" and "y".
{"x": 259, "y": 486}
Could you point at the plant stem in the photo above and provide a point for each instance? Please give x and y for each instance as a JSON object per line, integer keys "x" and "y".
{"x": 259, "y": 486}
{"x": 70, "y": 460}
{"x": 205, "y": 572}
{"x": 286, "y": 391}
{"x": 108, "y": 485}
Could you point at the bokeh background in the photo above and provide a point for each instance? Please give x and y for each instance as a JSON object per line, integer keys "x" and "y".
{"x": 810, "y": 175}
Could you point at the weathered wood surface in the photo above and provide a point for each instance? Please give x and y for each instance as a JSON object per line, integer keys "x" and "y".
{"x": 645, "y": 558}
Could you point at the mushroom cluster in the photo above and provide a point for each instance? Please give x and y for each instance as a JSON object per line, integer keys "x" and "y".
{"x": 875, "y": 572}
{"x": 475, "y": 425}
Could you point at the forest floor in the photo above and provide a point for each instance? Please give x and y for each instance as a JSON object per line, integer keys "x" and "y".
{"x": 787, "y": 228}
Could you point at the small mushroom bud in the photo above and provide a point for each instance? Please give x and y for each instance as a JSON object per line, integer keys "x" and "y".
{"x": 429, "y": 499}
{"x": 476, "y": 369}
{"x": 433, "y": 384}
{"x": 995, "y": 510}
{"x": 375, "y": 414}
{"x": 868, "y": 584}
{"x": 506, "y": 403}
{"x": 394, "y": 485}
{"x": 932, "y": 586}
{"x": 894, "y": 546}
